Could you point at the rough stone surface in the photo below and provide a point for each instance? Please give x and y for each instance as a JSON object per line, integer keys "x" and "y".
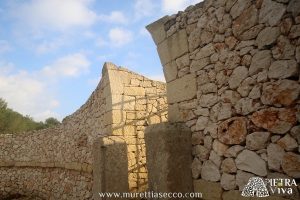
{"x": 271, "y": 12}
{"x": 282, "y": 92}
{"x": 288, "y": 143}
{"x": 219, "y": 147}
{"x": 234, "y": 151}
{"x": 283, "y": 69}
{"x": 275, "y": 120}
{"x": 238, "y": 75}
{"x": 251, "y": 162}
{"x": 210, "y": 171}
{"x": 267, "y": 36}
{"x": 233, "y": 131}
{"x": 228, "y": 166}
{"x": 260, "y": 61}
{"x": 257, "y": 140}
{"x": 228, "y": 181}
{"x": 291, "y": 164}
{"x": 275, "y": 155}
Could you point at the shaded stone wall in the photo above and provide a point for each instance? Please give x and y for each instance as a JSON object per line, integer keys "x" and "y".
{"x": 57, "y": 163}
{"x": 232, "y": 72}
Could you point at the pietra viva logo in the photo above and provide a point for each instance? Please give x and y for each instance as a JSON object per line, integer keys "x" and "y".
{"x": 258, "y": 187}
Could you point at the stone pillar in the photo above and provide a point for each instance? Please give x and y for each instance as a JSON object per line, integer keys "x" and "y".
{"x": 169, "y": 158}
{"x": 110, "y": 170}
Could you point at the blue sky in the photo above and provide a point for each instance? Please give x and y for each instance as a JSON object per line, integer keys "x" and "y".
{"x": 52, "y": 51}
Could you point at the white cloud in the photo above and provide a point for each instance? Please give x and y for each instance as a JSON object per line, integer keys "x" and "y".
{"x": 32, "y": 93}
{"x": 173, "y": 6}
{"x": 5, "y": 46}
{"x": 26, "y": 94}
{"x": 71, "y": 66}
{"x": 114, "y": 17}
{"x": 54, "y": 14}
{"x": 144, "y": 8}
{"x": 46, "y": 46}
{"x": 119, "y": 36}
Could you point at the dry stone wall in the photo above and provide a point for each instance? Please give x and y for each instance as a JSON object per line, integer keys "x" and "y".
{"x": 57, "y": 163}
{"x": 232, "y": 72}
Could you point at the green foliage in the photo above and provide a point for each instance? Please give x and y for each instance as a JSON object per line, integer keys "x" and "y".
{"x": 14, "y": 122}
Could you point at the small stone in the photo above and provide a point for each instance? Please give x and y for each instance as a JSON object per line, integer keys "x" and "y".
{"x": 231, "y": 42}
{"x": 196, "y": 168}
{"x": 220, "y": 112}
{"x": 202, "y": 111}
{"x": 212, "y": 130}
{"x": 283, "y": 69}
{"x": 284, "y": 49}
{"x": 246, "y": 86}
{"x": 245, "y": 106}
{"x": 288, "y": 143}
{"x": 228, "y": 166}
{"x": 233, "y": 131}
{"x": 208, "y": 100}
{"x": 205, "y": 51}
{"x": 294, "y": 7}
{"x": 245, "y": 21}
{"x": 208, "y": 88}
{"x": 295, "y": 132}
{"x": 208, "y": 142}
{"x": 237, "y": 76}
{"x": 275, "y": 155}
{"x": 275, "y": 120}
{"x": 275, "y": 138}
{"x": 201, "y": 123}
{"x": 255, "y": 92}
{"x": 197, "y": 138}
{"x": 267, "y": 36}
{"x": 215, "y": 158}
{"x": 230, "y": 96}
{"x": 233, "y": 151}
{"x": 210, "y": 171}
{"x": 201, "y": 152}
{"x": 260, "y": 61}
{"x": 262, "y": 76}
{"x": 271, "y": 12}
{"x": 257, "y": 140}
{"x": 219, "y": 147}
{"x": 228, "y": 181}
{"x": 295, "y": 31}
{"x": 251, "y": 162}
{"x": 282, "y": 92}
{"x": 239, "y": 7}
{"x": 291, "y": 164}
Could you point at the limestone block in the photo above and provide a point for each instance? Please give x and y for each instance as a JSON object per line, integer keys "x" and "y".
{"x": 275, "y": 156}
{"x": 181, "y": 89}
{"x": 170, "y": 71}
{"x": 134, "y": 91}
{"x": 168, "y": 153}
{"x": 291, "y": 164}
{"x": 173, "y": 47}
{"x": 110, "y": 169}
{"x": 157, "y": 30}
